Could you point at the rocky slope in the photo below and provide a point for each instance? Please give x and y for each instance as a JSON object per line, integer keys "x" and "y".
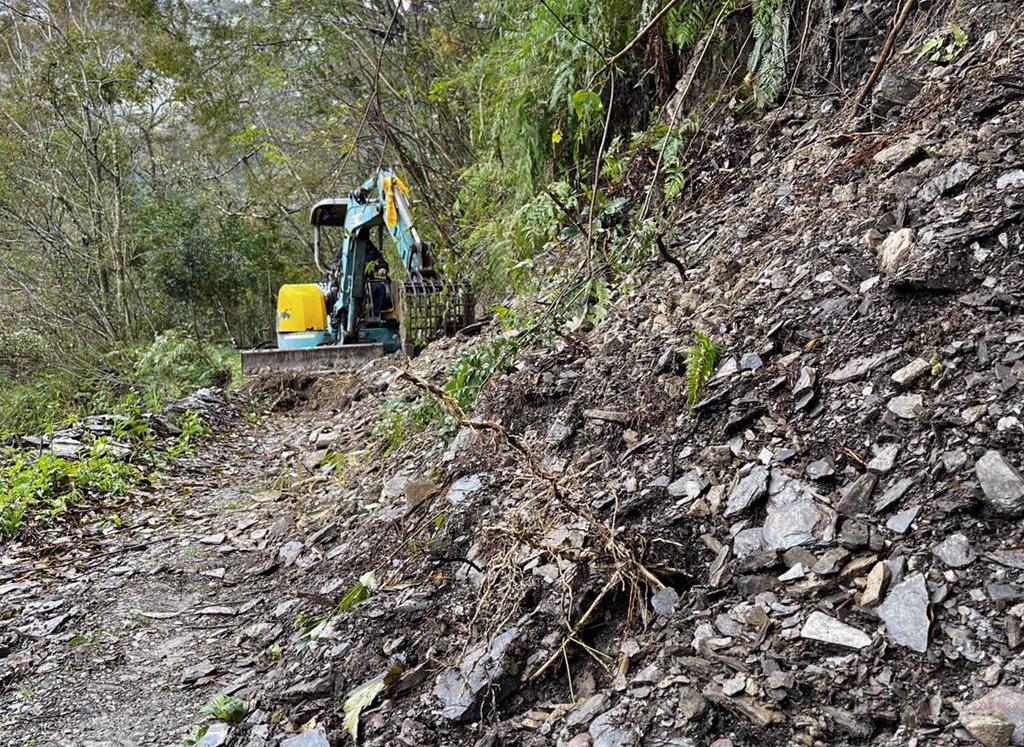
{"x": 826, "y": 550}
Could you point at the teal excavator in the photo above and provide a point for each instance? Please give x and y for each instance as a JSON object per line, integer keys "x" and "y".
{"x": 359, "y": 312}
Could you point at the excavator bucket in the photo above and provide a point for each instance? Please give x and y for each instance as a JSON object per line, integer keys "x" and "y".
{"x": 322, "y": 359}
{"x": 432, "y": 308}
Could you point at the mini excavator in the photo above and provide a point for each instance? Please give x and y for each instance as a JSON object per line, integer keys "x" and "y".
{"x": 359, "y": 312}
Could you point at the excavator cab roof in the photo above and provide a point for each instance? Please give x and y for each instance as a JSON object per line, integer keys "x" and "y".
{"x": 329, "y": 212}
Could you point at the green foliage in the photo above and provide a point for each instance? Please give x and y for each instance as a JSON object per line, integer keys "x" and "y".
{"x": 475, "y": 367}
{"x": 42, "y": 487}
{"x": 173, "y": 365}
{"x": 126, "y": 382}
{"x": 363, "y": 696}
{"x": 195, "y": 736}
{"x": 398, "y": 420}
{"x": 944, "y": 47}
{"x": 22, "y": 352}
{"x": 193, "y": 430}
{"x": 130, "y": 423}
{"x": 700, "y": 365}
{"x": 358, "y": 593}
{"x": 690, "y": 20}
{"x": 767, "y": 63}
{"x": 536, "y": 109}
{"x": 226, "y": 708}
{"x": 341, "y": 462}
{"x": 213, "y": 275}
{"x": 37, "y": 406}
{"x": 672, "y": 145}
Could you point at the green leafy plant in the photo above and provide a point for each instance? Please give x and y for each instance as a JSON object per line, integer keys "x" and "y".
{"x": 944, "y": 47}
{"x": 42, "y": 487}
{"x": 363, "y": 696}
{"x": 195, "y": 736}
{"x": 475, "y": 367}
{"x": 174, "y": 364}
{"x": 130, "y": 424}
{"x": 341, "y": 462}
{"x": 399, "y": 420}
{"x": 672, "y": 146}
{"x": 700, "y": 365}
{"x": 767, "y": 62}
{"x": 193, "y": 430}
{"x": 226, "y": 708}
{"x": 359, "y": 592}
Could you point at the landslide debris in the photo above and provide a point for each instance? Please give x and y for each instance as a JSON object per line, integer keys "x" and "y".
{"x": 823, "y": 550}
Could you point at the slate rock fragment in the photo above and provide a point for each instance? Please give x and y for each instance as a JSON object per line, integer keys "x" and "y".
{"x": 820, "y": 469}
{"x": 990, "y": 731}
{"x": 799, "y": 522}
{"x": 614, "y": 728}
{"x": 908, "y": 374}
{"x": 215, "y": 736}
{"x": 906, "y": 406}
{"x": 749, "y": 490}
{"x": 821, "y": 627}
{"x": 874, "y": 588}
{"x": 1004, "y": 703}
{"x": 955, "y": 551}
{"x": 854, "y": 498}
{"x": 858, "y": 367}
{"x": 905, "y": 613}
{"x": 586, "y": 711}
{"x": 884, "y": 460}
{"x": 315, "y": 738}
{"x": 1001, "y": 484}
{"x": 483, "y": 672}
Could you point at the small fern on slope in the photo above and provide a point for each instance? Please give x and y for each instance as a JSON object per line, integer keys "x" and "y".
{"x": 767, "y": 63}
{"x": 700, "y": 364}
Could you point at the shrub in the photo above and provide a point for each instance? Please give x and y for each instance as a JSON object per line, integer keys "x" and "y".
{"x": 42, "y": 487}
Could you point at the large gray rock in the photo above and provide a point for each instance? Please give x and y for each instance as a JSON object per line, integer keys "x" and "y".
{"x": 1004, "y": 703}
{"x": 906, "y": 406}
{"x": 990, "y": 731}
{"x": 911, "y": 372}
{"x": 855, "y": 498}
{"x": 614, "y": 728}
{"x": 905, "y": 613}
{"x": 1001, "y": 483}
{"x": 584, "y": 713}
{"x": 463, "y": 488}
{"x": 485, "y": 671}
{"x": 821, "y": 627}
{"x": 955, "y": 551}
{"x": 800, "y": 522}
{"x": 860, "y": 366}
{"x": 750, "y": 489}
{"x": 215, "y": 736}
{"x": 690, "y": 485}
{"x": 315, "y": 738}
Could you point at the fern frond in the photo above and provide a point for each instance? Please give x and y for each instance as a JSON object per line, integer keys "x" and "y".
{"x": 686, "y": 22}
{"x": 700, "y": 364}
{"x": 767, "y": 62}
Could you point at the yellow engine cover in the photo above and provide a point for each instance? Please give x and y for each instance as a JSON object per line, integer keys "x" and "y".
{"x": 301, "y": 308}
